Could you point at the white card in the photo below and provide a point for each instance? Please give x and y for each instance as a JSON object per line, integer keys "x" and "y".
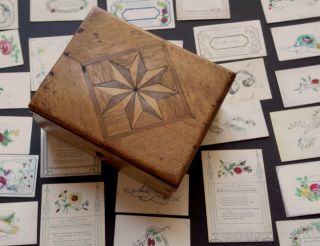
{"x": 60, "y": 10}
{"x": 18, "y": 223}
{"x": 300, "y": 188}
{"x": 297, "y": 133}
{"x": 9, "y": 17}
{"x": 297, "y": 41}
{"x": 299, "y": 232}
{"x": 44, "y": 53}
{"x": 60, "y": 159}
{"x": 136, "y": 197}
{"x": 236, "y": 196}
{"x": 237, "y": 122}
{"x": 10, "y": 49}
{"x": 286, "y": 10}
{"x": 72, "y": 214}
{"x": 299, "y": 86}
{"x": 18, "y": 175}
{"x": 232, "y": 41}
{"x": 15, "y": 134}
{"x": 177, "y": 42}
{"x": 202, "y": 9}
{"x": 14, "y": 90}
{"x": 154, "y": 231}
{"x": 147, "y": 14}
{"x": 251, "y": 82}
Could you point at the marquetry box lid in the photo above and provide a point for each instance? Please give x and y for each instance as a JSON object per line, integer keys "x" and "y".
{"x": 132, "y": 97}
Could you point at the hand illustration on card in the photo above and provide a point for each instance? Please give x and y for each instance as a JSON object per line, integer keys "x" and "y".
{"x": 10, "y": 49}
{"x": 8, "y": 14}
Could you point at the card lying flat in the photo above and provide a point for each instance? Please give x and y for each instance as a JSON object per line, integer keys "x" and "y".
{"x": 237, "y": 122}
{"x": 18, "y": 175}
{"x": 299, "y": 86}
{"x": 44, "y": 52}
{"x": 10, "y": 49}
{"x": 136, "y": 197}
{"x": 15, "y": 135}
{"x": 286, "y": 10}
{"x": 300, "y": 188}
{"x": 72, "y": 214}
{"x": 299, "y": 232}
{"x": 60, "y": 10}
{"x": 14, "y": 90}
{"x": 18, "y": 223}
{"x": 251, "y": 82}
{"x": 60, "y": 159}
{"x": 9, "y": 17}
{"x": 297, "y": 133}
{"x": 202, "y": 9}
{"x": 151, "y": 231}
{"x": 236, "y": 196}
{"x": 147, "y": 14}
{"x": 224, "y": 42}
{"x": 297, "y": 41}
{"x": 177, "y": 42}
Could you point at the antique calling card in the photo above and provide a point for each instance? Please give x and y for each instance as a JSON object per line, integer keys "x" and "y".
{"x": 232, "y": 41}
{"x": 236, "y": 196}
{"x": 72, "y": 213}
{"x": 299, "y": 232}
{"x": 59, "y": 159}
{"x": 9, "y": 18}
{"x": 300, "y": 188}
{"x": 10, "y": 49}
{"x": 147, "y": 14}
{"x": 136, "y": 197}
{"x": 153, "y": 231}
{"x": 18, "y": 223}
{"x": 297, "y": 133}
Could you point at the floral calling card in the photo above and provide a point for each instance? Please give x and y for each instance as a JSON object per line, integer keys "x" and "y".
{"x": 10, "y": 49}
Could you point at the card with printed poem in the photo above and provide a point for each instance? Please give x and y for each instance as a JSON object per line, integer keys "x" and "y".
{"x": 9, "y": 16}
{"x": 10, "y": 49}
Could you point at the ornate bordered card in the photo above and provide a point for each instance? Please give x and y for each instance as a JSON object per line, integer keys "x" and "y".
{"x": 18, "y": 223}
{"x": 153, "y": 231}
{"x": 297, "y": 133}
{"x": 18, "y": 175}
{"x": 232, "y": 41}
{"x": 299, "y": 232}
{"x": 300, "y": 188}
{"x": 60, "y": 159}
{"x": 72, "y": 214}
{"x": 136, "y": 197}
{"x": 147, "y": 14}
{"x": 236, "y": 196}
{"x": 10, "y": 49}
{"x": 9, "y": 18}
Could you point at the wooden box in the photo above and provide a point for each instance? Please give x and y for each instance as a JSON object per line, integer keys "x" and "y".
{"x": 139, "y": 102}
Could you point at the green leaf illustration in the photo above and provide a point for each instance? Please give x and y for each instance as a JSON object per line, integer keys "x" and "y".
{"x": 158, "y": 239}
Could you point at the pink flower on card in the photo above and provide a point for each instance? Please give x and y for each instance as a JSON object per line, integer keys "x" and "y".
{"x": 3, "y": 182}
{"x": 315, "y": 188}
{"x": 5, "y": 47}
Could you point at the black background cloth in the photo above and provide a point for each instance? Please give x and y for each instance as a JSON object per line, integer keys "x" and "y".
{"x": 241, "y": 10}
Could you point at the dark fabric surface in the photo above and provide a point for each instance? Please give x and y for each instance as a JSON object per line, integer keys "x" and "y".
{"x": 241, "y": 10}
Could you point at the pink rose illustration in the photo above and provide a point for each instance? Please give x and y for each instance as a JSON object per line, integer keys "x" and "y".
{"x": 237, "y": 170}
{"x": 315, "y": 188}
{"x": 3, "y": 182}
{"x": 5, "y": 47}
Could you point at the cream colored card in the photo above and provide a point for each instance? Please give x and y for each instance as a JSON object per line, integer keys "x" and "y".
{"x": 151, "y": 231}
{"x": 18, "y": 175}
{"x": 297, "y": 133}
{"x": 251, "y": 82}
{"x": 14, "y": 90}
{"x": 9, "y": 17}
{"x": 299, "y": 86}
{"x": 147, "y": 14}
{"x": 60, "y": 10}
{"x": 297, "y": 41}
{"x": 286, "y": 10}
{"x": 300, "y": 188}
{"x": 202, "y": 9}
{"x": 237, "y": 122}
{"x": 10, "y": 49}
{"x": 232, "y": 41}
{"x": 44, "y": 53}
{"x": 18, "y": 223}
{"x": 177, "y": 42}
{"x": 72, "y": 214}
{"x": 236, "y": 196}
{"x": 60, "y": 159}
{"x": 299, "y": 232}
{"x": 136, "y": 197}
{"x": 15, "y": 135}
